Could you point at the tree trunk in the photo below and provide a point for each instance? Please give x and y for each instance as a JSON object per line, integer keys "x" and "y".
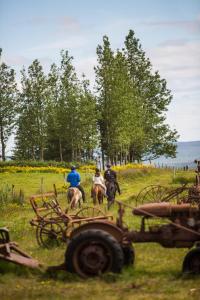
{"x": 3, "y": 146}
{"x": 42, "y": 153}
{"x": 33, "y": 153}
{"x": 103, "y": 160}
{"x": 60, "y": 150}
{"x": 121, "y": 157}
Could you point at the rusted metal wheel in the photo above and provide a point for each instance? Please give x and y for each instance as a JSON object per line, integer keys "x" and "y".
{"x": 93, "y": 252}
{"x": 49, "y": 234}
{"x": 191, "y": 263}
{"x": 151, "y": 193}
{"x": 89, "y": 212}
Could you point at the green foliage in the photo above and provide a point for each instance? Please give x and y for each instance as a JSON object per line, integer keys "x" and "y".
{"x": 132, "y": 100}
{"x": 31, "y": 133}
{"x": 39, "y": 163}
{"x": 183, "y": 180}
{"x": 8, "y": 92}
{"x": 60, "y": 118}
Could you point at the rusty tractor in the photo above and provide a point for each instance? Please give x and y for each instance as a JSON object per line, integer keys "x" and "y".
{"x": 102, "y": 245}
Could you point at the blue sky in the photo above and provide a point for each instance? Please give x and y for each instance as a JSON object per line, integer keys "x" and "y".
{"x": 169, "y": 32}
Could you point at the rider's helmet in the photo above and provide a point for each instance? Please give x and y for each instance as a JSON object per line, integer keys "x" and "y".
{"x": 108, "y": 166}
{"x": 73, "y": 168}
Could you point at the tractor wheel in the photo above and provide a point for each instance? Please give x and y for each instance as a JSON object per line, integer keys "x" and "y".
{"x": 191, "y": 263}
{"x": 129, "y": 255}
{"x": 93, "y": 252}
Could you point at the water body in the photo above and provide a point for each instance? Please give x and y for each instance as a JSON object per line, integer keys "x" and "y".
{"x": 187, "y": 152}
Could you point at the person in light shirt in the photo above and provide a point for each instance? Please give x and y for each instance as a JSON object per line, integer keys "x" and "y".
{"x": 98, "y": 179}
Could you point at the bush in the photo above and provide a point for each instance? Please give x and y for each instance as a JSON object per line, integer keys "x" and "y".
{"x": 183, "y": 180}
{"x": 37, "y": 163}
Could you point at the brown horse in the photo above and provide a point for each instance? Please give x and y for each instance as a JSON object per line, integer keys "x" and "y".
{"x": 97, "y": 193}
{"x": 74, "y": 197}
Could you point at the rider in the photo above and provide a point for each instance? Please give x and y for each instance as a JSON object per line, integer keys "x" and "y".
{"x": 74, "y": 179}
{"x": 111, "y": 176}
{"x": 98, "y": 179}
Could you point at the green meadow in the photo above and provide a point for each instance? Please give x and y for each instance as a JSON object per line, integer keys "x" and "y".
{"x": 155, "y": 275}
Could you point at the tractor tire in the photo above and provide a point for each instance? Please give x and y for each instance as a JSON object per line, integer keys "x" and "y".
{"x": 191, "y": 263}
{"x": 94, "y": 252}
{"x": 129, "y": 255}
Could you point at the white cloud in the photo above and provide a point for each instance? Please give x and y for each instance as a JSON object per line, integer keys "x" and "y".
{"x": 66, "y": 22}
{"x": 179, "y": 63}
{"x": 16, "y": 60}
{"x": 19, "y": 60}
{"x": 70, "y": 43}
{"x": 191, "y": 26}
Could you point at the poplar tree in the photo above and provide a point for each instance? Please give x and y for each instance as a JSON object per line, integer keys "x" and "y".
{"x": 8, "y": 104}
{"x": 104, "y": 74}
{"x": 88, "y": 138}
{"x": 67, "y": 110}
{"x": 153, "y": 98}
{"x": 33, "y": 112}
{"x": 55, "y": 136}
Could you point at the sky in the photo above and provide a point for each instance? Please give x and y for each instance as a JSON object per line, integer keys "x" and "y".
{"x": 169, "y": 32}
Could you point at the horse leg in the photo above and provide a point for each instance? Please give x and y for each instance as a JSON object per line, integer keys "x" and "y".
{"x": 100, "y": 197}
{"x": 109, "y": 204}
{"x": 73, "y": 203}
{"x": 95, "y": 196}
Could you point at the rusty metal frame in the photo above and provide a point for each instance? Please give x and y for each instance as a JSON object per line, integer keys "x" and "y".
{"x": 51, "y": 213}
{"x": 9, "y": 251}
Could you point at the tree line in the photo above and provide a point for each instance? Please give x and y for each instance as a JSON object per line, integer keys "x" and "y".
{"x": 57, "y": 116}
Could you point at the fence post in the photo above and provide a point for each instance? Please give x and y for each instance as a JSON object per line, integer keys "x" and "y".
{"x": 174, "y": 172}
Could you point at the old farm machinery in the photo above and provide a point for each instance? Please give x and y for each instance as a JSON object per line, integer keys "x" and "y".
{"x": 96, "y": 244}
{"x": 10, "y": 252}
{"x": 53, "y": 225}
{"x": 102, "y": 245}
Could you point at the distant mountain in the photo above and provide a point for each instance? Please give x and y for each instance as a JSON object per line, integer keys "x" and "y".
{"x": 187, "y": 152}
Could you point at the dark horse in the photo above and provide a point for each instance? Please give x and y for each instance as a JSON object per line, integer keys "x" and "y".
{"x": 111, "y": 192}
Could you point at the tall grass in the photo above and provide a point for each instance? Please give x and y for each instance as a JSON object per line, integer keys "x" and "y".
{"x": 8, "y": 196}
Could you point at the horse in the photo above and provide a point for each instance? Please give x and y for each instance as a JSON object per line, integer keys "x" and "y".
{"x": 97, "y": 193}
{"x": 74, "y": 197}
{"x": 111, "y": 192}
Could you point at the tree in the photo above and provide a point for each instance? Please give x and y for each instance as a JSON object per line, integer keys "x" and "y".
{"x": 104, "y": 73}
{"x": 67, "y": 107}
{"x": 55, "y": 136}
{"x": 153, "y": 99}
{"x": 71, "y": 122}
{"x": 33, "y": 112}
{"x": 116, "y": 99}
{"x": 132, "y": 101}
{"x": 87, "y": 125}
{"x": 8, "y": 104}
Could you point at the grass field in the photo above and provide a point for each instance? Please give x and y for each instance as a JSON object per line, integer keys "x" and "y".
{"x": 157, "y": 271}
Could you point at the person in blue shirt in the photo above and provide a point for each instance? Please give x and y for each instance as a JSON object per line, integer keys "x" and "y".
{"x": 74, "y": 179}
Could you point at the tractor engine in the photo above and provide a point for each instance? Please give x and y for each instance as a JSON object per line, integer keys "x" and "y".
{"x": 182, "y": 229}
